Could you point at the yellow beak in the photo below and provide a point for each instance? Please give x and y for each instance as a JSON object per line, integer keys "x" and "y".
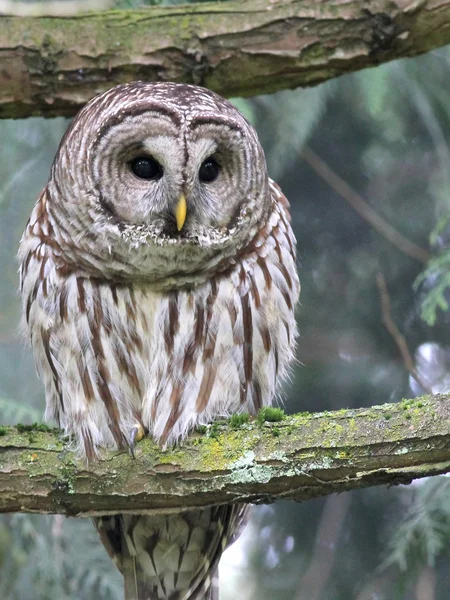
{"x": 180, "y": 212}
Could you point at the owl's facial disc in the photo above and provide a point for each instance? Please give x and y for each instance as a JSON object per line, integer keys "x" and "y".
{"x": 173, "y": 180}
{"x": 182, "y": 172}
{"x": 181, "y": 185}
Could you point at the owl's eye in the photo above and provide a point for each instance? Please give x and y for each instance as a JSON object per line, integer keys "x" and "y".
{"x": 146, "y": 167}
{"x": 209, "y": 171}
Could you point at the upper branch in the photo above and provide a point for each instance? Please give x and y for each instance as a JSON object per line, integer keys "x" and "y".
{"x": 53, "y": 65}
{"x": 301, "y": 457}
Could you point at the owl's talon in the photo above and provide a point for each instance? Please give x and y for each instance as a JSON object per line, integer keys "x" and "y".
{"x": 136, "y": 434}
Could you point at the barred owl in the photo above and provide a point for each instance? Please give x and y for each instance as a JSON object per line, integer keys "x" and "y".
{"x": 159, "y": 283}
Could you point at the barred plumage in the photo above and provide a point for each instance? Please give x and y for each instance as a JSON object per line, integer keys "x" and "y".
{"x": 134, "y": 322}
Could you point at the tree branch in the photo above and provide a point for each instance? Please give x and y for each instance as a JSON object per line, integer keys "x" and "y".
{"x": 53, "y": 65}
{"x": 301, "y": 457}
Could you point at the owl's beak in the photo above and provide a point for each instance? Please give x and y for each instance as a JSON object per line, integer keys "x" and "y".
{"x": 180, "y": 212}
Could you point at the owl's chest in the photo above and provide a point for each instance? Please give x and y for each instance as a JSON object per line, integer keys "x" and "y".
{"x": 215, "y": 349}
{"x": 183, "y": 332}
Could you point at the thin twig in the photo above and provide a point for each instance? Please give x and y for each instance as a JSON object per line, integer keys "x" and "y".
{"x": 396, "y": 334}
{"x": 360, "y": 205}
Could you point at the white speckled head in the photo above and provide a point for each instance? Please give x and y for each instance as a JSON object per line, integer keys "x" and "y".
{"x": 128, "y": 158}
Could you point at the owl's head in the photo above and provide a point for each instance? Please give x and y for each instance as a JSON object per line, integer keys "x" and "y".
{"x": 169, "y": 178}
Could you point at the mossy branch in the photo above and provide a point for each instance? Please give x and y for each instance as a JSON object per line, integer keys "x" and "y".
{"x": 52, "y": 66}
{"x": 299, "y": 457}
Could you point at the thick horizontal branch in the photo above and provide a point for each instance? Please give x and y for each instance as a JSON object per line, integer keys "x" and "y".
{"x": 300, "y": 457}
{"x": 53, "y": 65}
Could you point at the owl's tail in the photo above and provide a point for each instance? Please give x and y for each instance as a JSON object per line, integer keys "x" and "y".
{"x": 171, "y": 556}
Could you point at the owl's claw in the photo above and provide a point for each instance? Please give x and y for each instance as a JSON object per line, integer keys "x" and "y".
{"x": 136, "y": 434}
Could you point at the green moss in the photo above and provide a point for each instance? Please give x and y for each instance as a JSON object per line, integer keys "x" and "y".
{"x": 303, "y": 414}
{"x": 213, "y": 430}
{"x": 170, "y": 457}
{"x": 271, "y": 414}
{"x": 3, "y": 431}
{"x": 21, "y": 428}
{"x": 237, "y": 420}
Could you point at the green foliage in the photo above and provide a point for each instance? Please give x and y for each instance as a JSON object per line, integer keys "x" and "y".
{"x": 437, "y": 273}
{"x": 425, "y": 531}
{"x": 54, "y": 557}
{"x": 434, "y": 299}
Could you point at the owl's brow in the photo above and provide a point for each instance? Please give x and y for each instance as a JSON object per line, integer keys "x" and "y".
{"x": 208, "y": 120}
{"x": 139, "y": 110}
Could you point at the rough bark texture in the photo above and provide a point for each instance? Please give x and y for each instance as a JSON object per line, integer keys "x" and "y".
{"x": 300, "y": 457}
{"x": 53, "y": 65}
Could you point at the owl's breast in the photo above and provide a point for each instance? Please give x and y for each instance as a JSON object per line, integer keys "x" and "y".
{"x": 222, "y": 347}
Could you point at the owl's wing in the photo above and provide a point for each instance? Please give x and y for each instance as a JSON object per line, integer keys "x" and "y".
{"x": 87, "y": 352}
{"x": 172, "y": 556}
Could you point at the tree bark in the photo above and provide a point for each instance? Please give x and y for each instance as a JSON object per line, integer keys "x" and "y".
{"x": 52, "y": 66}
{"x": 300, "y": 457}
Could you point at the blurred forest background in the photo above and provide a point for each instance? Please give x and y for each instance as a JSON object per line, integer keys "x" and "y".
{"x": 386, "y": 133}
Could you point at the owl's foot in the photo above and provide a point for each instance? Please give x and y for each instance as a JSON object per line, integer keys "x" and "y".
{"x": 136, "y": 434}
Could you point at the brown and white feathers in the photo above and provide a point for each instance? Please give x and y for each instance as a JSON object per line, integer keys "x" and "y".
{"x": 159, "y": 283}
